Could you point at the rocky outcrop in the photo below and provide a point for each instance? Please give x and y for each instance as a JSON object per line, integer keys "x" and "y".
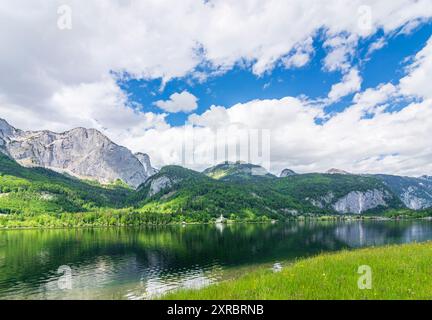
{"x": 412, "y": 198}
{"x": 159, "y": 184}
{"x": 145, "y": 161}
{"x": 287, "y": 173}
{"x": 323, "y": 201}
{"x": 415, "y": 193}
{"x": 359, "y": 202}
{"x": 6, "y": 132}
{"x": 84, "y": 153}
{"x": 336, "y": 171}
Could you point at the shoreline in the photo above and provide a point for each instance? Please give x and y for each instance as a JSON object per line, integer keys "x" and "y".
{"x": 228, "y": 222}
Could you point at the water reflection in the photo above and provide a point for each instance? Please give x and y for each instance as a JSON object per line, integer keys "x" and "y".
{"x": 146, "y": 262}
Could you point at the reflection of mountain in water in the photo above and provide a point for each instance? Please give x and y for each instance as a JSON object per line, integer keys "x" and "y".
{"x": 139, "y": 263}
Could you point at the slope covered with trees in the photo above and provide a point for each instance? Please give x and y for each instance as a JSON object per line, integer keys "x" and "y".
{"x": 238, "y": 194}
{"x": 38, "y": 190}
{"x": 41, "y": 197}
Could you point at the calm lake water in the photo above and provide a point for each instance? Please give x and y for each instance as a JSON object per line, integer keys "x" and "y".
{"x": 142, "y": 263}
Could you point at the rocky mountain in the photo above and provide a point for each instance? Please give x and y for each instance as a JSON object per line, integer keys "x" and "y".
{"x": 415, "y": 193}
{"x": 287, "y": 173}
{"x": 229, "y": 187}
{"x": 38, "y": 191}
{"x": 358, "y": 202}
{"x": 84, "y": 153}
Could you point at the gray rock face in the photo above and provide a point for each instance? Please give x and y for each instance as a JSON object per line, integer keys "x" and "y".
{"x": 413, "y": 198}
{"x": 415, "y": 193}
{"x": 323, "y": 201}
{"x": 287, "y": 173}
{"x": 6, "y": 132}
{"x": 145, "y": 161}
{"x": 84, "y": 153}
{"x": 358, "y": 202}
{"x": 159, "y": 184}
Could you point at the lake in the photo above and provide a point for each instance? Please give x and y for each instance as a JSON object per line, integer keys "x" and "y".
{"x": 143, "y": 263}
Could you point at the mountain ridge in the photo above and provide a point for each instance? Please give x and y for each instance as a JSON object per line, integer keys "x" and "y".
{"x": 81, "y": 152}
{"x": 226, "y": 187}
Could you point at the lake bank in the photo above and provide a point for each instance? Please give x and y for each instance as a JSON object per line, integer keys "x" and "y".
{"x": 396, "y": 272}
{"x": 132, "y": 218}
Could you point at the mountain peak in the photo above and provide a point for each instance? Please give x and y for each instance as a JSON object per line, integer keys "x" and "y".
{"x": 336, "y": 171}
{"x": 242, "y": 170}
{"x": 287, "y": 173}
{"x": 145, "y": 161}
{"x": 6, "y": 129}
{"x": 84, "y": 153}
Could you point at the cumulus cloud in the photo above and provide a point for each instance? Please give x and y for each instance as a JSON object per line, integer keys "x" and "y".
{"x": 363, "y": 138}
{"x": 340, "y": 50}
{"x": 397, "y": 142}
{"x": 350, "y": 83}
{"x": 373, "y": 97}
{"x": 179, "y": 102}
{"x": 101, "y": 105}
{"x": 300, "y": 56}
{"x": 65, "y": 78}
{"x": 170, "y": 46}
{"x": 418, "y": 80}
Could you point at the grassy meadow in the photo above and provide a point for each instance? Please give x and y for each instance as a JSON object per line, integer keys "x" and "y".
{"x": 398, "y": 272}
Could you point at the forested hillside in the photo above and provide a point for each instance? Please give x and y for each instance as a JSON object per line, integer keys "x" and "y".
{"x": 176, "y": 194}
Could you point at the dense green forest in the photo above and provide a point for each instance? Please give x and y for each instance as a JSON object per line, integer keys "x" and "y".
{"x": 37, "y": 197}
{"x": 251, "y": 196}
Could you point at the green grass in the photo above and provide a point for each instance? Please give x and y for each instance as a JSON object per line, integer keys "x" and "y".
{"x": 398, "y": 272}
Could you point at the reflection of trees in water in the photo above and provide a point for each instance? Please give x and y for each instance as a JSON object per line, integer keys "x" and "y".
{"x": 30, "y": 255}
{"x": 369, "y": 233}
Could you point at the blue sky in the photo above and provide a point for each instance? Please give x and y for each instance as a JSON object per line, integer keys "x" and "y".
{"x": 240, "y": 84}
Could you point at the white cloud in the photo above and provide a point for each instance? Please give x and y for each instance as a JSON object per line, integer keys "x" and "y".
{"x": 179, "y": 102}
{"x": 377, "y": 45}
{"x": 101, "y": 105}
{"x": 63, "y": 79}
{"x": 215, "y": 117}
{"x": 301, "y": 55}
{"x": 340, "y": 51}
{"x": 363, "y": 138}
{"x": 125, "y": 36}
{"x": 418, "y": 80}
{"x": 350, "y": 83}
{"x": 410, "y": 26}
{"x": 397, "y": 142}
{"x": 373, "y": 97}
